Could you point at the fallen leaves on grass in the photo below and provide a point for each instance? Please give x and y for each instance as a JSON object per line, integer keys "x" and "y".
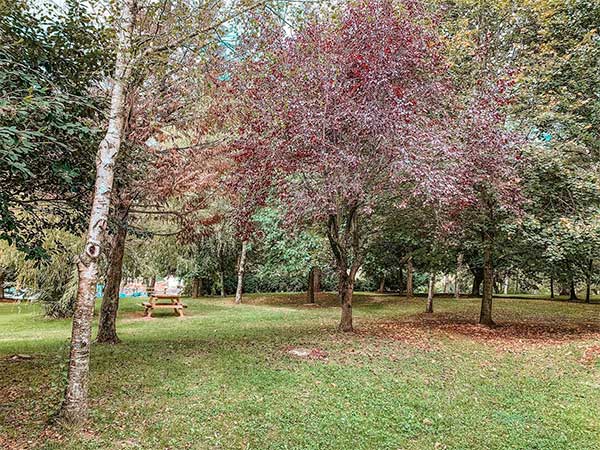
{"x": 590, "y": 355}
{"x": 410, "y": 332}
{"x": 505, "y": 335}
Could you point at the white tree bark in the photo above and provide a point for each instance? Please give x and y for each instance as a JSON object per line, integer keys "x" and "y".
{"x": 75, "y": 404}
{"x": 241, "y": 268}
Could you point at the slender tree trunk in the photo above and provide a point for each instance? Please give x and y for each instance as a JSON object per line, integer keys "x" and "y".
{"x": 222, "y": 279}
{"x": 445, "y": 284}
{"x": 409, "y": 277}
{"x": 107, "y": 325}
{"x": 222, "y": 269}
{"x": 430, "y": 293}
{"x": 587, "y": 292}
{"x": 401, "y": 285}
{"x": 1, "y": 283}
{"x": 196, "y": 287}
{"x": 506, "y": 282}
{"x": 459, "y": 262}
{"x": 572, "y": 291}
{"x": 241, "y": 268}
{"x": 552, "y": 287}
{"x": 74, "y": 408}
{"x": 151, "y": 284}
{"x": 485, "y": 318}
{"x": 381, "y": 289}
{"x": 310, "y": 293}
{"x": 588, "y": 281}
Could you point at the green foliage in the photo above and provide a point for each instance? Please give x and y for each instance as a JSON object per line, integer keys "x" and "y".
{"x": 561, "y": 77}
{"x": 281, "y": 259}
{"x": 11, "y": 262}
{"x": 50, "y": 60}
{"x": 53, "y": 280}
{"x": 558, "y": 101}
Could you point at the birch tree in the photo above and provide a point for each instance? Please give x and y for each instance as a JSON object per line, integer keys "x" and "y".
{"x": 240, "y": 275}
{"x": 75, "y": 404}
{"x": 149, "y": 35}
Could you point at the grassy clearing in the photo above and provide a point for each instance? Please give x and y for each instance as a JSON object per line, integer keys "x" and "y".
{"x": 223, "y": 378}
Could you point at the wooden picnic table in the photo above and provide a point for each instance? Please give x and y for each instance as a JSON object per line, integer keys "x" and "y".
{"x": 174, "y": 303}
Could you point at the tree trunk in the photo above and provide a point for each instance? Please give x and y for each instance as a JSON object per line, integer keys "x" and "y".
{"x": 381, "y": 289}
{"x": 506, "y": 282}
{"x": 459, "y": 262}
{"x": 316, "y": 279}
{"x": 222, "y": 269}
{"x": 222, "y": 279}
{"x": 401, "y": 285}
{"x": 430, "y": 293}
{"x": 345, "y": 290}
{"x": 241, "y": 268}
{"x": 346, "y": 272}
{"x": 485, "y": 317}
{"x": 107, "y": 325}
{"x": 445, "y": 283}
{"x": 1, "y": 284}
{"x": 477, "y": 280}
{"x": 74, "y": 408}
{"x": 588, "y": 281}
{"x": 196, "y": 287}
{"x": 151, "y": 285}
{"x": 409, "y": 277}
{"x": 310, "y": 293}
{"x": 552, "y": 287}
{"x": 572, "y": 291}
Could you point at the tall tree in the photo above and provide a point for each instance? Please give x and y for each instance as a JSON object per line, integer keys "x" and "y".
{"x": 75, "y": 404}
{"x": 339, "y": 119}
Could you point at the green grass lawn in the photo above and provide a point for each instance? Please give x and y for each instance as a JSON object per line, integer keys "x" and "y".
{"x": 222, "y": 377}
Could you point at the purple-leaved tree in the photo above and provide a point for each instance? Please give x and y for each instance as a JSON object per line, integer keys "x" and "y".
{"x": 343, "y": 121}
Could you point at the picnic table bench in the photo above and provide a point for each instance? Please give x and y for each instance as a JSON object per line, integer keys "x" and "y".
{"x": 174, "y": 303}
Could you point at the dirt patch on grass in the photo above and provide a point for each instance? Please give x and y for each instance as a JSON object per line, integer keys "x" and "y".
{"x": 505, "y": 335}
{"x": 307, "y": 353}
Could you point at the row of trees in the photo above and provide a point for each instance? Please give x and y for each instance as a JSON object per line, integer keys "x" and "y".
{"x": 380, "y": 138}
